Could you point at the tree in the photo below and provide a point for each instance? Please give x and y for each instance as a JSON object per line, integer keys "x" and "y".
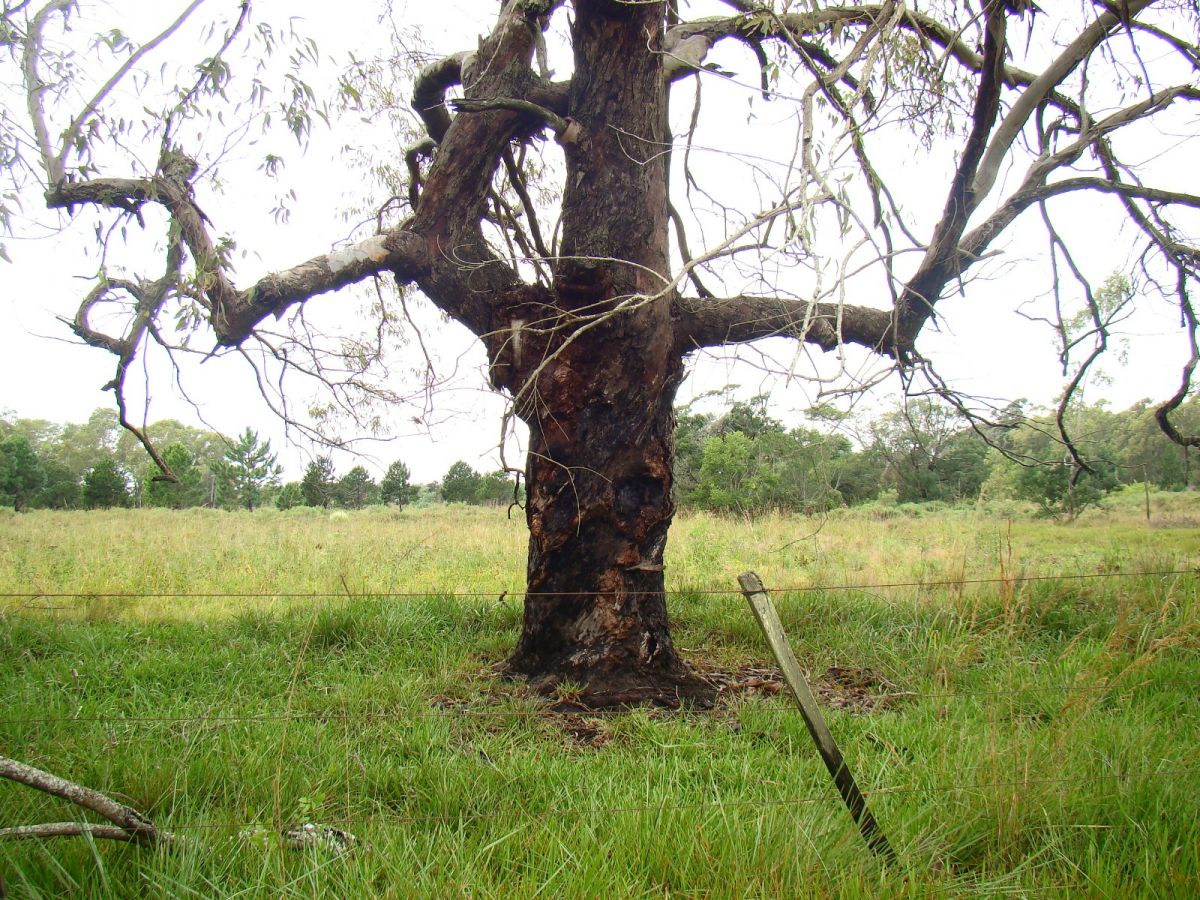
{"x": 290, "y": 496}
{"x": 105, "y": 485}
{"x": 80, "y": 445}
{"x": 395, "y": 487}
{"x": 460, "y": 484}
{"x": 318, "y": 484}
{"x": 246, "y": 471}
{"x": 22, "y": 475}
{"x": 186, "y": 490}
{"x": 61, "y": 488}
{"x": 1052, "y": 478}
{"x": 932, "y": 453}
{"x": 587, "y": 323}
{"x": 1147, "y": 455}
{"x": 357, "y": 489}
{"x": 495, "y": 489}
{"x": 691, "y": 433}
{"x": 729, "y": 481}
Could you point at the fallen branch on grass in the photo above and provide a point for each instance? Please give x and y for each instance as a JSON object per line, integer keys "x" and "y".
{"x": 130, "y": 825}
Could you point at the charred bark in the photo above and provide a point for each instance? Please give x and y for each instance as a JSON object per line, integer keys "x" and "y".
{"x": 595, "y": 380}
{"x": 599, "y": 507}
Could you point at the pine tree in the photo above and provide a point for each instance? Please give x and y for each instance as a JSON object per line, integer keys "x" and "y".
{"x": 247, "y": 470}
{"x": 395, "y": 487}
{"x": 318, "y": 484}
{"x": 357, "y": 489}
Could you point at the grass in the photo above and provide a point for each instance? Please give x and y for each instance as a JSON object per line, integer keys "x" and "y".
{"x": 1046, "y": 744}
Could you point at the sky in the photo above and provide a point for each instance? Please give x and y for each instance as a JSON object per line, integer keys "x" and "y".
{"x": 984, "y": 343}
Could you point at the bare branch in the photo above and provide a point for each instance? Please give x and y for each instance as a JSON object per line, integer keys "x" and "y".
{"x": 556, "y": 122}
{"x": 137, "y": 826}
{"x": 942, "y": 260}
{"x": 68, "y": 829}
{"x": 1046, "y": 82}
{"x": 429, "y": 92}
{"x": 734, "y": 320}
{"x": 34, "y": 86}
{"x": 1162, "y": 414}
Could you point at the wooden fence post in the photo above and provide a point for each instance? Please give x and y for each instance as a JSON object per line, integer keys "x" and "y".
{"x": 768, "y": 620}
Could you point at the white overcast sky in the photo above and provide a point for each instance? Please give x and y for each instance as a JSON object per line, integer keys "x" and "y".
{"x": 982, "y": 346}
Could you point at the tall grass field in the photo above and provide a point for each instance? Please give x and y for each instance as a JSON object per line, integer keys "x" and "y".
{"x": 1019, "y": 700}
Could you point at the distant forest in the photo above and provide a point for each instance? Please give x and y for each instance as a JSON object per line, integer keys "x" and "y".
{"x": 742, "y": 461}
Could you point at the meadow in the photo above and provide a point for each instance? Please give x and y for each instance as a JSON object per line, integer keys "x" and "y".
{"x": 1019, "y": 699}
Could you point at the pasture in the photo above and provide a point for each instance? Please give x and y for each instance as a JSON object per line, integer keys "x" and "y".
{"x": 1020, "y": 705}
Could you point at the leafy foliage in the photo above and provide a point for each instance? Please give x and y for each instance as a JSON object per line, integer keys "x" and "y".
{"x": 357, "y": 489}
{"x": 460, "y": 484}
{"x": 189, "y": 491}
{"x": 290, "y": 496}
{"x": 248, "y": 469}
{"x": 21, "y": 473}
{"x": 106, "y": 485}
{"x": 395, "y": 487}
{"x": 318, "y": 484}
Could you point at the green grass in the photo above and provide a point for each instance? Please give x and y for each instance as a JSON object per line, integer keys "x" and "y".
{"x": 1048, "y": 745}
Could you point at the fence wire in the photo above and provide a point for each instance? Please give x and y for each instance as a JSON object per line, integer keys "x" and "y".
{"x": 461, "y": 816}
{"x": 451, "y": 711}
{"x": 374, "y": 714}
{"x": 436, "y": 593}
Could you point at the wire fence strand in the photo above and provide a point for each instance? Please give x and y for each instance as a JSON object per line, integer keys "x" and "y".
{"x": 455, "y": 710}
{"x": 431, "y": 593}
{"x": 598, "y": 812}
{"x": 887, "y": 695}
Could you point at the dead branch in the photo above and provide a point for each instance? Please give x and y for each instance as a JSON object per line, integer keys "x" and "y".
{"x": 68, "y": 829}
{"x": 135, "y": 826}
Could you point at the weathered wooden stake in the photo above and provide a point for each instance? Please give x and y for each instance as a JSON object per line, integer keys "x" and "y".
{"x": 768, "y": 620}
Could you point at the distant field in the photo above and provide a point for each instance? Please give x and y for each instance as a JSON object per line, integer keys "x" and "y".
{"x": 1018, "y": 730}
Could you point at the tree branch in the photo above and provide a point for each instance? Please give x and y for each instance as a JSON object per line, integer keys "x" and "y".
{"x": 735, "y": 320}
{"x": 942, "y": 259}
{"x": 429, "y": 92}
{"x": 79, "y": 121}
{"x": 68, "y": 829}
{"x": 132, "y": 822}
{"x": 34, "y": 86}
{"x": 1050, "y": 78}
{"x": 530, "y": 110}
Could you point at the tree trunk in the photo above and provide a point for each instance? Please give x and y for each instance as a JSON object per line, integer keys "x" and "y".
{"x": 596, "y": 381}
{"x": 599, "y": 506}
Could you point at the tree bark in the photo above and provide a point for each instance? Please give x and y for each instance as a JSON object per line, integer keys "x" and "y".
{"x": 595, "y": 380}
{"x": 598, "y": 508}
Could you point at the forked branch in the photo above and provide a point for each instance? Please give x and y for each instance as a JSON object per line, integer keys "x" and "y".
{"x": 130, "y": 825}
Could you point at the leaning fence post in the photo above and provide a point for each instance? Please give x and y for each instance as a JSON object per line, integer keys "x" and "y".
{"x": 768, "y": 620}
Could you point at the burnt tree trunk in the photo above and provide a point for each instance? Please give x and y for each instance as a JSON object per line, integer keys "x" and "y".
{"x": 595, "y": 367}
{"x": 599, "y": 506}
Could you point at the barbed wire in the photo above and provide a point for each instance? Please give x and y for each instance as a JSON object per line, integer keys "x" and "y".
{"x": 436, "y": 593}
{"x": 678, "y": 806}
{"x": 452, "y": 709}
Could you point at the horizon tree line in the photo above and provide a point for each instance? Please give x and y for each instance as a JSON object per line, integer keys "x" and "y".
{"x": 741, "y": 460}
